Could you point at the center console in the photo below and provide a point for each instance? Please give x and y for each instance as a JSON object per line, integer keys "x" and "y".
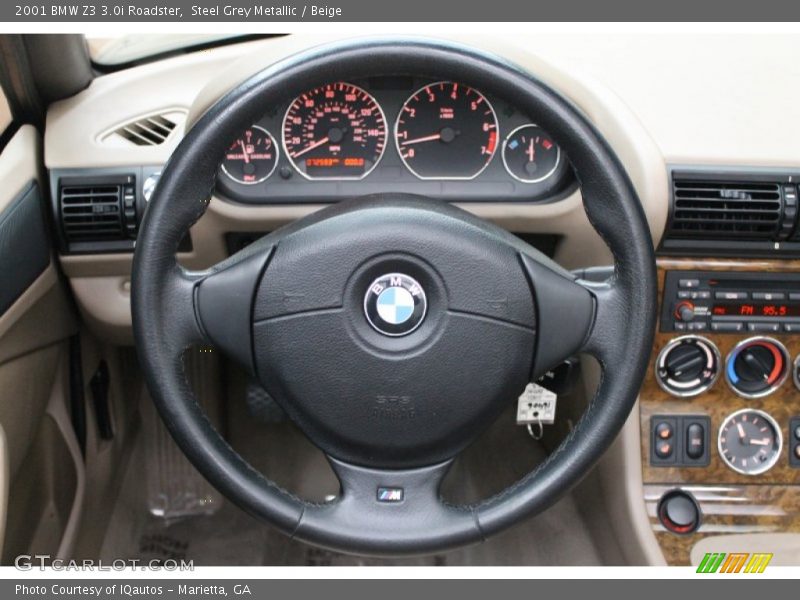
{"x": 720, "y": 407}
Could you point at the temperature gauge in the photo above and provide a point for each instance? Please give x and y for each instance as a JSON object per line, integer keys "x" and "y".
{"x": 530, "y": 155}
{"x": 252, "y": 157}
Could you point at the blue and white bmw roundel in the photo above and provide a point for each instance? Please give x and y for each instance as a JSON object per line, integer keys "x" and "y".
{"x": 395, "y": 304}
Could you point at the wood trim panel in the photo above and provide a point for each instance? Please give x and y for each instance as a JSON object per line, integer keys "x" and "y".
{"x": 727, "y": 509}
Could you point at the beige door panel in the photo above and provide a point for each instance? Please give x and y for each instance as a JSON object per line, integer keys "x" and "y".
{"x": 38, "y": 470}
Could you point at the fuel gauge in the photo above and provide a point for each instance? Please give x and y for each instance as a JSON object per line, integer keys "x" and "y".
{"x": 252, "y": 157}
{"x": 530, "y": 155}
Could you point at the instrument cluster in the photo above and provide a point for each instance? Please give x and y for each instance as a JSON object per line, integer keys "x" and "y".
{"x": 398, "y": 134}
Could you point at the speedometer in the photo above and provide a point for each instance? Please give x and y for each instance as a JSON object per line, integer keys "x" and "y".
{"x": 446, "y": 131}
{"x": 337, "y": 131}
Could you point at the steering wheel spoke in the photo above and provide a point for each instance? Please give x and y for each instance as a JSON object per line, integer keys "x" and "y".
{"x": 223, "y": 299}
{"x": 401, "y": 507}
{"x": 566, "y": 312}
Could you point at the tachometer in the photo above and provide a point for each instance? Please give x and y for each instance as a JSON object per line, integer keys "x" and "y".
{"x": 337, "y": 131}
{"x": 446, "y": 131}
{"x": 252, "y": 157}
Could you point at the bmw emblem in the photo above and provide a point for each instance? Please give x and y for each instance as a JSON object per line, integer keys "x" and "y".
{"x": 395, "y": 304}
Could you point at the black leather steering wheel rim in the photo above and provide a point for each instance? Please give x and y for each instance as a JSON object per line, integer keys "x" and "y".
{"x": 167, "y": 319}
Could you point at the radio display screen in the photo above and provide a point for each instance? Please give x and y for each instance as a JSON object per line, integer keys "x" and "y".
{"x": 760, "y": 310}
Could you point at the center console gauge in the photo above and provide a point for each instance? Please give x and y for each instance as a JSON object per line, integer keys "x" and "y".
{"x": 252, "y": 157}
{"x": 750, "y": 441}
{"x": 446, "y": 130}
{"x": 337, "y": 131}
{"x": 688, "y": 366}
{"x": 757, "y": 366}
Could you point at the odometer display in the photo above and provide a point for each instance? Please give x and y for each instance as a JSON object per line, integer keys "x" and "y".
{"x": 337, "y": 131}
{"x": 446, "y": 131}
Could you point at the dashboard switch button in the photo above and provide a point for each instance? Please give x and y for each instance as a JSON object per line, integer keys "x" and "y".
{"x": 695, "y": 441}
{"x": 664, "y": 430}
{"x": 664, "y": 449}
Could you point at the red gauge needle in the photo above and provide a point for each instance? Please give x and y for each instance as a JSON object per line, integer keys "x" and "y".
{"x": 324, "y": 140}
{"x": 531, "y": 152}
{"x": 244, "y": 151}
{"x": 427, "y": 138}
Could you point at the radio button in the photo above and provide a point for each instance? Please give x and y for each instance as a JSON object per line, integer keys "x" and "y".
{"x": 769, "y": 296}
{"x": 794, "y": 296}
{"x": 791, "y": 327}
{"x": 764, "y": 327}
{"x": 684, "y": 295}
{"x": 727, "y": 327}
{"x": 731, "y": 295}
{"x": 688, "y": 283}
{"x": 704, "y": 295}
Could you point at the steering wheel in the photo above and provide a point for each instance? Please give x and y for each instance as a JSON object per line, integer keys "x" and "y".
{"x": 392, "y": 329}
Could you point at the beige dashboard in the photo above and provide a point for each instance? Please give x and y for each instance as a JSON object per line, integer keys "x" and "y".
{"x": 658, "y": 99}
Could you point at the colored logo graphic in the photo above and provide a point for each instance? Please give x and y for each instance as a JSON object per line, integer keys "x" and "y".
{"x": 395, "y": 305}
{"x": 390, "y": 494}
{"x": 735, "y": 562}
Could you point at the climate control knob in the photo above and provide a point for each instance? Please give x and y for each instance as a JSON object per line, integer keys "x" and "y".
{"x": 757, "y": 366}
{"x": 688, "y": 366}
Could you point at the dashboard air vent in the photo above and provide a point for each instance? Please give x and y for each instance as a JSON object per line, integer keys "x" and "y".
{"x": 725, "y": 209}
{"x": 98, "y": 211}
{"x": 91, "y": 213}
{"x": 148, "y": 130}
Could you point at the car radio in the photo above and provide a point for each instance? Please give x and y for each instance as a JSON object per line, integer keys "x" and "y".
{"x": 731, "y": 302}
